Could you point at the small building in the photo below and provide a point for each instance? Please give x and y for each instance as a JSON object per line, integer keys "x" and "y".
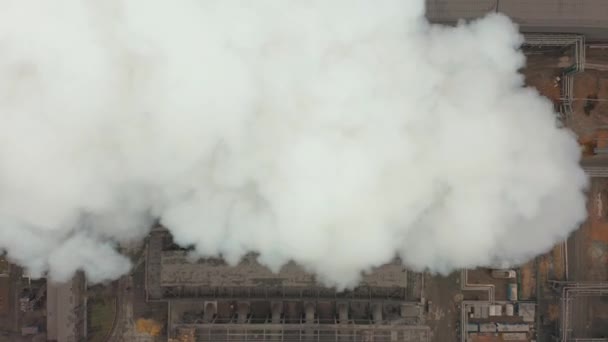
{"x": 509, "y": 309}
{"x": 512, "y": 327}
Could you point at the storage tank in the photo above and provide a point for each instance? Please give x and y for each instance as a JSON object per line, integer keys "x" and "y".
{"x": 512, "y": 292}
{"x": 495, "y": 310}
{"x": 509, "y": 310}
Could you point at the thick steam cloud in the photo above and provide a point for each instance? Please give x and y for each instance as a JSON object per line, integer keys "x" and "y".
{"x": 334, "y": 133}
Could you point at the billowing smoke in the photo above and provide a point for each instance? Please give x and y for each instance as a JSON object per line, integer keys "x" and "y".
{"x": 338, "y": 134}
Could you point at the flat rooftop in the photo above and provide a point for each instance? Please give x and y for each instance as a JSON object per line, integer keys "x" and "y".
{"x": 177, "y": 269}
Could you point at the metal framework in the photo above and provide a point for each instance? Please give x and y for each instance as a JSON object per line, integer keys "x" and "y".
{"x": 577, "y": 43}
{"x": 596, "y": 171}
{"x": 464, "y": 306}
{"x": 308, "y": 332}
{"x": 569, "y": 292}
{"x": 257, "y": 327}
{"x": 280, "y": 293}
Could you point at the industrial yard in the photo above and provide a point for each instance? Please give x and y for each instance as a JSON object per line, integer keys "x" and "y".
{"x": 561, "y": 295}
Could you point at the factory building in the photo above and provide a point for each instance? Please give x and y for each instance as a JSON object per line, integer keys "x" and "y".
{"x": 209, "y": 300}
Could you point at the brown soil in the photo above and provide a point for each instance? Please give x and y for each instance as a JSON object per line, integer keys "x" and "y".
{"x": 558, "y": 264}
{"x": 553, "y": 312}
{"x": 544, "y": 81}
{"x": 528, "y": 281}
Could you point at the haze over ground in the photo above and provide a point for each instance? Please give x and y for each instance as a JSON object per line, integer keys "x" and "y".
{"x": 333, "y": 133}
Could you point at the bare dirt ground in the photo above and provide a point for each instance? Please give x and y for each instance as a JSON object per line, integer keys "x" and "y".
{"x": 527, "y": 280}
{"x": 445, "y": 294}
{"x": 590, "y": 109}
{"x": 543, "y": 79}
{"x": 588, "y": 246}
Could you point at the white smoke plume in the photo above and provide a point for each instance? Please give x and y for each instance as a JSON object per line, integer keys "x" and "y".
{"x": 334, "y": 133}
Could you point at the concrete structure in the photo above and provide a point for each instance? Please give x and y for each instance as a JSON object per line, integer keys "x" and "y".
{"x": 588, "y": 17}
{"x": 178, "y": 270}
{"x": 212, "y": 301}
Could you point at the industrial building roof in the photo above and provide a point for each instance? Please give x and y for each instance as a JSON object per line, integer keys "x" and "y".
{"x": 589, "y": 17}
{"x": 177, "y": 269}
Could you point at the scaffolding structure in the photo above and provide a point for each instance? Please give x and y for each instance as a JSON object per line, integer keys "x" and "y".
{"x": 307, "y": 332}
{"x": 575, "y": 42}
{"x": 596, "y": 171}
{"x": 259, "y": 307}
{"x": 361, "y": 293}
{"x": 570, "y": 291}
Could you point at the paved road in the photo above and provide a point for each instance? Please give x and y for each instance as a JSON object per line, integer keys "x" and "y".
{"x": 123, "y": 329}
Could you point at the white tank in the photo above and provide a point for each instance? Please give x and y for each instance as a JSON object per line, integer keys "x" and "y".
{"x": 495, "y": 310}
{"x": 512, "y": 292}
